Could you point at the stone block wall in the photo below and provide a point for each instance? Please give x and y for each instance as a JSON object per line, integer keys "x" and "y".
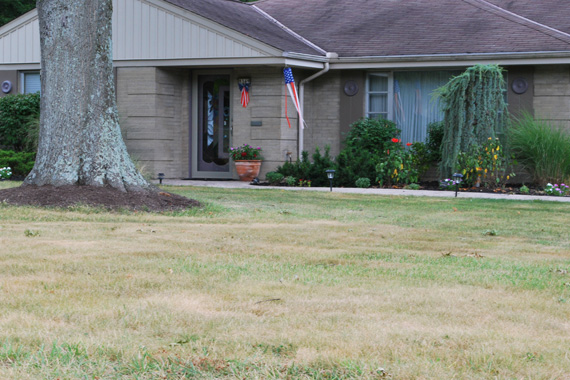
{"x": 154, "y": 117}
{"x": 322, "y": 105}
{"x": 552, "y": 94}
{"x": 266, "y": 107}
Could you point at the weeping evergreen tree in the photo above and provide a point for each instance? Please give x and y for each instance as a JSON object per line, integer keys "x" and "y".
{"x": 474, "y": 109}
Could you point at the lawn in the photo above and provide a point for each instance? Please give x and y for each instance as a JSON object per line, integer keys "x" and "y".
{"x": 264, "y": 284}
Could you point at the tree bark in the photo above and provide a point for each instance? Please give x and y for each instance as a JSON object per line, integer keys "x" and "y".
{"x": 80, "y": 141}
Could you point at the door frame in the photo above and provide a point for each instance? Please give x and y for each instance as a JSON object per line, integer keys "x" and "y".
{"x": 194, "y": 125}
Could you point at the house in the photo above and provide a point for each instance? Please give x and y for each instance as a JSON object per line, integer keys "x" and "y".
{"x": 178, "y": 64}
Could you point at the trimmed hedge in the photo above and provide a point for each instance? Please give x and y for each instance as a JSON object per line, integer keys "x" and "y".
{"x": 21, "y": 163}
{"x": 19, "y": 115}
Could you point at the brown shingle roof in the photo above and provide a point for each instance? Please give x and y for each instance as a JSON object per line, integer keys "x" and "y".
{"x": 246, "y": 20}
{"x": 358, "y": 28}
{"x": 554, "y": 13}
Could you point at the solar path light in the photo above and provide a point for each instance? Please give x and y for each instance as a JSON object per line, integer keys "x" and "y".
{"x": 330, "y": 175}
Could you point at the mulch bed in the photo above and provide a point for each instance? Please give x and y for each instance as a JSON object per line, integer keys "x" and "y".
{"x": 434, "y": 186}
{"x": 106, "y": 197}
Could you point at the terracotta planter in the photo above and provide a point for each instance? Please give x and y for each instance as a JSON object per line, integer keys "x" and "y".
{"x": 247, "y": 170}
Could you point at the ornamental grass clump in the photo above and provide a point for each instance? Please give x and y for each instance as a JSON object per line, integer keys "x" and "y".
{"x": 245, "y": 152}
{"x": 542, "y": 148}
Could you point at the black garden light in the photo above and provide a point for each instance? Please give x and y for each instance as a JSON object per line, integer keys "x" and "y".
{"x": 330, "y": 175}
{"x": 160, "y": 177}
{"x": 457, "y": 177}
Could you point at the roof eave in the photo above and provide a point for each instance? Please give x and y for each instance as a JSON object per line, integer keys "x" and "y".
{"x": 451, "y": 60}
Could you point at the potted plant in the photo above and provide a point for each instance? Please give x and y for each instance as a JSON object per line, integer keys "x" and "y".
{"x": 247, "y": 160}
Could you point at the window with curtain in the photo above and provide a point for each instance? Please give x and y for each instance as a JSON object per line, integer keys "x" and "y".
{"x": 408, "y": 101}
{"x": 30, "y": 82}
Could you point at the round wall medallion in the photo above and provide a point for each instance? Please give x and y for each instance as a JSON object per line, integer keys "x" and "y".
{"x": 6, "y": 86}
{"x": 519, "y": 86}
{"x": 350, "y": 88}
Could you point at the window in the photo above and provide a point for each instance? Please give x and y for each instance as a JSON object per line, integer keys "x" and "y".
{"x": 30, "y": 82}
{"x": 378, "y": 99}
{"x": 406, "y": 98}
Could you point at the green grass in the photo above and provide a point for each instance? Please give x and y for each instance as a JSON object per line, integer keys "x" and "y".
{"x": 271, "y": 284}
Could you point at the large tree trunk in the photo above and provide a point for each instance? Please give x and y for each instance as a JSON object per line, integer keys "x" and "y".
{"x": 80, "y": 140}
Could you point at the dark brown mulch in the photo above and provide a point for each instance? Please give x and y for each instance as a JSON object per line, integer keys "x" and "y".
{"x": 106, "y": 197}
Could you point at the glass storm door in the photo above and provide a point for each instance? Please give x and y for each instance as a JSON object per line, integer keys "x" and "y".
{"x": 213, "y": 124}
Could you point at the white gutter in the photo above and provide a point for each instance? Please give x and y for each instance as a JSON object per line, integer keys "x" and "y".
{"x": 302, "y": 101}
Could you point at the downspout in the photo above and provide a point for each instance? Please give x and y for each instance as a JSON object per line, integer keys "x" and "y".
{"x": 302, "y": 100}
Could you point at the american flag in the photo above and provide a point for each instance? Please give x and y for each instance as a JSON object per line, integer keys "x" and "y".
{"x": 290, "y": 84}
{"x": 244, "y": 88}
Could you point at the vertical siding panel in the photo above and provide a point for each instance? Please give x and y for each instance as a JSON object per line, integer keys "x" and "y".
{"x": 203, "y": 42}
{"x": 187, "y": 39}
{"x": 137, "y": 29}
{"x": 220, "y": 45}
{"x": 195, "y": 36}
{"x": 179, "y": 35}
{"x": 145, "y": 30}
{"x": 161, "y": 51}
{"x": 115, "y": 30}
{"x": 246, "y": 51}
{"x": 121, "y": 30}
{"x": 169, "y": 36}
{"x": 29, "y": 55}
{"x": 237, "y": 49}
{"x": 153, "y": 32}
{"x": 14, "y": 47}
{"x": 20, "y": 42}
{"x": 128, "y": 20}
{"x": 36, "y": 41}
{"x": 211, "y": 44}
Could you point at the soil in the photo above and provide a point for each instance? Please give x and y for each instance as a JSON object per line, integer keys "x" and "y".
{"x": 106, "y": 197}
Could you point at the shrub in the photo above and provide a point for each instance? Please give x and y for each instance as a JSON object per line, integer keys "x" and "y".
{"x": 486, "y": 163}
{"x": 412, "y": 186}
{"x": 524, "y": 189}
{"x": 542, "y": 148}
{"x": 18, "y": 114}
{"x": 363, "y": 183}
{"x": 366, "y": 142}
{"x": 274, "y": 177}
{"x": 20, "y": 162}
{"x": 434, "y": 140}
{"x": 290, "y": 181}
{"x": 396, "y": 167}
{"x": 304, "y": 169}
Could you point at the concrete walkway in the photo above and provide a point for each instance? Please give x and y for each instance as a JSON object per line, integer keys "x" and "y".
{"x": 401, "y": 192}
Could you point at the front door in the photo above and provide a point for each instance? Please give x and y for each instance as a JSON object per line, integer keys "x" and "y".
{"x": 212, "y": 127}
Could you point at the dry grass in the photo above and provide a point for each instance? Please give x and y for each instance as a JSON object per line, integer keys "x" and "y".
{"x": 272, "y": 284}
